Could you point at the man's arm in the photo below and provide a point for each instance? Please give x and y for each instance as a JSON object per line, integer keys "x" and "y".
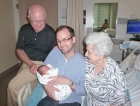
{"x": 23, "y": 57}
{"x": 50, "y": 91}
{"x": 60, "y": 80}
{"x": 21, "y": 53}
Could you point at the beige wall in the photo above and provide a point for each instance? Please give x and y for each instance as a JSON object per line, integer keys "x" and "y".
{"x": 51, "y": 7}
{"x": 9, "y": 27}
{"x": 7, "y": 36}
{"x": 8, "y": 30}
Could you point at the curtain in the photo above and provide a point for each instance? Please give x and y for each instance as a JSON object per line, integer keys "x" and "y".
{"x": 113, "y": 15}
{"x": 75, "y": 20}
{"x": 51, "y": 7}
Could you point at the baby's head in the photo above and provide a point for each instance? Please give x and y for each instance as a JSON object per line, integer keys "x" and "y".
{"x": 43, "y": 69}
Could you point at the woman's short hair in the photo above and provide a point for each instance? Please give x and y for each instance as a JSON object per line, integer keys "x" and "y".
{"x": 101, "y": 42}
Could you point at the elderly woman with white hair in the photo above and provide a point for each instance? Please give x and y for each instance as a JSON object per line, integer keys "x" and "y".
{"x": 105, "y": 82}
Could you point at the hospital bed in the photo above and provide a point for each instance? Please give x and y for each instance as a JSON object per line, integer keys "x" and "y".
{"x": 131, "y": 67}
{"x": 133, "y": 81}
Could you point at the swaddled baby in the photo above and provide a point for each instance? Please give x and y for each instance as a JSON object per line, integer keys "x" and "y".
{"x": 43, "y": 74}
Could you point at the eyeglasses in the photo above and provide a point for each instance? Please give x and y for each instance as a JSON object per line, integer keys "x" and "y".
{"x": 63, "y": 40}
{"x": 38, "y": 21}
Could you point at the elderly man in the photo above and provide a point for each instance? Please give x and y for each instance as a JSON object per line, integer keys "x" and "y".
{"x": 35, "y": 41}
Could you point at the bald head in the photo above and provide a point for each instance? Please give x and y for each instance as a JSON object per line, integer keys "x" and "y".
{"x": 37, "y": 17}
{"x": 36, "y": 9}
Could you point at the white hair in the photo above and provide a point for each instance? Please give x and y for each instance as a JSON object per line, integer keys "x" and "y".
{"x": 101, "y": 42}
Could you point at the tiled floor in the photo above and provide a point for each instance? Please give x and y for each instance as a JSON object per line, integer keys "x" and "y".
{"x": 3, "y": 85}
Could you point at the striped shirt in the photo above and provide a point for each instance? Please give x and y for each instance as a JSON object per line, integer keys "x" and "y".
{"x": 108, "y": 87}
{"x": 74, "y": 69}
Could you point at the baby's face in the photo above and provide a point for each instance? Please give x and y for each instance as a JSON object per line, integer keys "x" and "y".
{"x": 44, "y": 70}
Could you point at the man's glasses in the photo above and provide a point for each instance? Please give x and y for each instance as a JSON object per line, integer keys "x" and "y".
{"x": 63, "y": 40}
{"x": 38, "y": 21}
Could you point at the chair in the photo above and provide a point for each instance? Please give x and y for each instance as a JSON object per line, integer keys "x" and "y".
{"x": 23, "y": 95}
{"x": 83, "y": 97}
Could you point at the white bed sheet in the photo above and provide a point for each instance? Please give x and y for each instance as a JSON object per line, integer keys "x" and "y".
{"x": 133, "y": 82}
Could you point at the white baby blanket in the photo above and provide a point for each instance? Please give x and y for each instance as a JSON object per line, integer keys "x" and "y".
{"x": 65, "y": 90}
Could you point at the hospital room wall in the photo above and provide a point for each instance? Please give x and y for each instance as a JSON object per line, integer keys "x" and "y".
{"x": 7, "y": 36}
{"x": 127, "y": 9}
{"x": 10, "y": 24}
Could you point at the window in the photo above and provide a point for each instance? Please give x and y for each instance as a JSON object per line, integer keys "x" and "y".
{"x": 104, "y": 11}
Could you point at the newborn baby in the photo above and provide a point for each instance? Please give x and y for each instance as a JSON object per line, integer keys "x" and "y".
{"x": 43, "y": 74}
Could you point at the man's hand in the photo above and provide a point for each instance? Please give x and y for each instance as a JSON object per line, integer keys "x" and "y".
{"x": 23, "y": 56}
{"x": 33, "y": 68}
{"x": 50, "y": 91}
{"x": 59, "y": 80}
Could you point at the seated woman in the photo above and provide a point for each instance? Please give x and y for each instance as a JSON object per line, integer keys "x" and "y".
{"x": 105, "y": 82}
